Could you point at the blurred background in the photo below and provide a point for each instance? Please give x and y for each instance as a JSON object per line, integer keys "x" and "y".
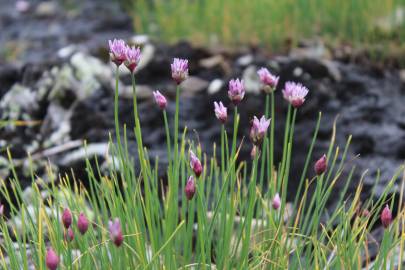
{"x": 56, "y": 81}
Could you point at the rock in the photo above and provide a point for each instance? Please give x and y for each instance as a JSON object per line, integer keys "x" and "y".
{"x": 140, "y": 39}
{"x": 67, "y": 51}
{"x": 251, "y": 80}
{"x": 22, "y": 6}
{"x": 57, "y": 122}
{"x": 148, "y": 52}
{"x": 88, "y": 151}
{"x": 142, "y": 91}
{"x": 193, "y": 85}
{"x": 402, "y": 75}
{"x": 215, "y": 86}
{"x": 47, "y": 9}
{"x": 17, "y": 102}
{"x": 392, "y": 21}
{"x": 245, "y": 60}
{"x": 212, "y": 61}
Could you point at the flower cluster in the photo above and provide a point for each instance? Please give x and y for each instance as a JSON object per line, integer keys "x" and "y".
{"x": 120, "y": 53}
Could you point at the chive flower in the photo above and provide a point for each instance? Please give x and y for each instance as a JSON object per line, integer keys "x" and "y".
{"x": 66, "y": 218}
{"x": 276, "y": 202}
{"x": 268, "y": 80}
{"x": 179, "y": 70}
{"x": 51, "y": 259}
{"x": 68, "y": 235}
{"x": 221, "y": 112}
{"x": 295, "y": 93}
{"x": 386, "y": 217}
{"x": 195, "y": 164}
{"x": 236, "y": 91}
{"x": 132, "y": 57}
{"x": 82, "y": 223}
{"x": 258, "y": 129}
{"x": 116, "y": 232}
{"x": 321, "y": 165}
{"x": 118, "y": 50}
{"x": 190, "y": 188}
{"x": 160, "y": 99}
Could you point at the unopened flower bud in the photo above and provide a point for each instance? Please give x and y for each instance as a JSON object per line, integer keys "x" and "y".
{"x": 221, "y": 112}
{"x": 82, "y": 223}
{"x": 236, "y": 91}
{"x": 258, "y": 129}
{"x": 190, "y": 188}
{"x": 179, "y": 70}
{"x": 51, "y": 259}
{"x": 160, "y": 99}
{"x": 66, "y": 218}
{"x": 276, "y": 203}
{"x": 386, "y": 217}
{"x": 68, "y": 235}
{"x": 268, "y": 80}
{"x": 116, "y": 232}
{"x": 321, "y": 165}
{"x": 195, "y": 164}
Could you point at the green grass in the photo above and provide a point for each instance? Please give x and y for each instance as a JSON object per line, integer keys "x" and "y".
{"x": 266, "y": 22}
{"x": 229, "y": 224}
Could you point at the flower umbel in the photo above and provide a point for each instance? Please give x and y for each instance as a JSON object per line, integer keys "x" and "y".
{"x": 51, "y": 259}
{"x": 118, "y": 50}
{"x": 386, "y": 217}
{"x": 195, "y": 164}
{"x": 132, "y": 57}
{"x": 268, "y": 80}
{"x": 221, "y": 112}
{"x": 190, "y": 188}
{"x": 295, "y": 93}
{"x": 116, "y": 232}
{"x": 67, "y": 218}
{"x": 160, "y": 99}
{"x": 321, "y": 165}
{"x": 236, "y": 91}
{"x": 259, "y": 129}
{"x": 179, "y": 70}
{"x": 82, "y": 223}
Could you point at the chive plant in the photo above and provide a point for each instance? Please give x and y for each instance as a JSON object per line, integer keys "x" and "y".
{"x": 214, "y": 212}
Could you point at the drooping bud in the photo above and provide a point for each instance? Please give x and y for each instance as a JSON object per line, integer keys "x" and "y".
{"x": 386, "y": 217}
{"x": 179, "y": 70}
{"x": 258, "y": 129}
{"x": 116, "y": 232}
{"x": 132, "y": 57}
{"x": 160, "y": 99}
{"x": 190, "y": 188}
{"x": 66, "y": 218}
{"x": 118, "y": 50}
{"x": 82, "y": 223}
{"x": 268, "y": 80}
{"x": 195, "y": 164}
{"x": 321, "y": 165}
{"x": 236, "y": 91}
{"x": 51, "y": 259}
{"x": 276, "y": 203}
{"x": 221, "y": 112}
{"x": 68, "y": 235}
{"x": 295, "y": 93}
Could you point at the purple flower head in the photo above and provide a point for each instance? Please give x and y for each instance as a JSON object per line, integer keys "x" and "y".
{"x": 51, "y": 259}
{"x": 190, "y": 188}
{"x": 321, "y": 165}
{"x": 82, "y": 223}
{"x": 268, "y": 80}
{"x": 276, "y": 203}
{"x": 295, "y": 93}
{"x": 259, "y": 129}
{"x": 160, "y": 99}
{"x": 236, "y": 91}
{"x": 116, "y": 232}
{"x": 195, "y": 164}
{"x": 67, "y": 218}
{"x": 118, "y": 50}
{"x": 179, "y": 70}
{"x": 386, "y": 217}
{"x": 132, "y": 57}
{"x": 221, "y": 112}
{"x": 69, "y": 235}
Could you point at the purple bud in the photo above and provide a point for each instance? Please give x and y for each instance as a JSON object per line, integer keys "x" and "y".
{"x": 82, "y": 223}
{"x": 66, "y": 218}
{"x": 276, "y": 203}
{"x": 295, "y": 93}
{"x": 116, "y": 232}
{"x": 268, "y": 80}
{"x": 236, "y": 91}
{"x": 195, "y": 164}
{"x": 118, "y": 50}
{"x": 160, "y": 99}
{"x": 321, "y": 165}
{"x": 132, "y": 57}
{"x": 258, "y": 129}
{"x": 190, "y": 188}
{"x": 179, "y": 70}
{"x": 52, "y": 259}
{"x": 386, "y": 217}
{"x": 221, "y": 112}
{"x": 1, "y": 210}
{"x": 68, "y": 235}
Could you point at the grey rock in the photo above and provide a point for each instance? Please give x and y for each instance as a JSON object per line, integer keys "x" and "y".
{"x": 251, "y": 80}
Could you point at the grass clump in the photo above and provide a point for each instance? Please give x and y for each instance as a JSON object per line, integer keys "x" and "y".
{"x": 214, "y": 212}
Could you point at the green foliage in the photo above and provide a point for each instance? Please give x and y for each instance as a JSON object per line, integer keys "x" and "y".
{"x": 268, "y": 22}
